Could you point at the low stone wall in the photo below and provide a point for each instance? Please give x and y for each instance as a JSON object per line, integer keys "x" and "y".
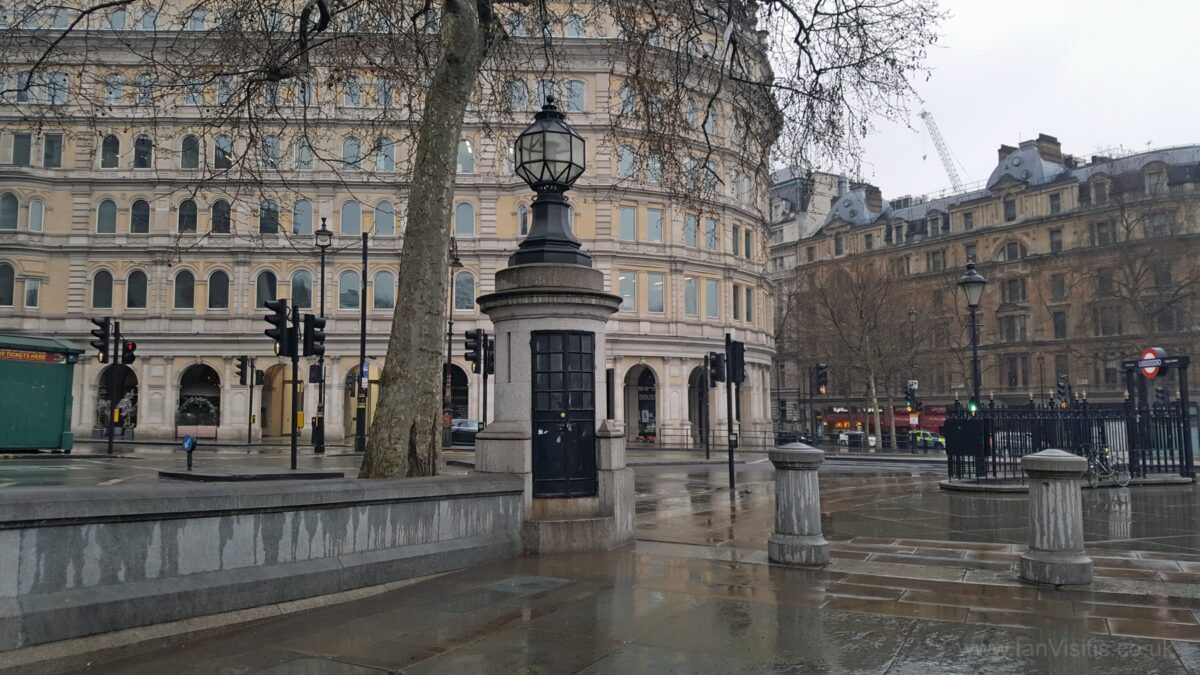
{"x": 77, "y": 562}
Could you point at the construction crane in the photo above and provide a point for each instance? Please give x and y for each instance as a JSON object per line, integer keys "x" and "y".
{"x": 943, "y": 151}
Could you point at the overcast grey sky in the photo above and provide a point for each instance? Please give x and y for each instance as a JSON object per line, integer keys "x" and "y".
{"x": 1095, "y": 73}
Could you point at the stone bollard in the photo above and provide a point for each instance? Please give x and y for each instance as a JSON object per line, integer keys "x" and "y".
{"x": 797, "y": 539}
{"x": 1056, "y": 554}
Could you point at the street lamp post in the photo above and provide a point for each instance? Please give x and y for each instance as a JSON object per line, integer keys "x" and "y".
{"x": 447, "y": 407}
{"x": 912, "y": 342}
{"x": 972, "y": 283}
{"x": 323, "y": 238}
{"x": 364, "y": 384}
{"x": 1041, "y": 378}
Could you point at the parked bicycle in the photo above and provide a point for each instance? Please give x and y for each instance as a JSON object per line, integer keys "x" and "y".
{"x": 1103, "y": 465}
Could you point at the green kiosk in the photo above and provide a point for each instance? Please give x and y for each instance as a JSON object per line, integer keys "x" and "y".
{"x": 35, "y": 392}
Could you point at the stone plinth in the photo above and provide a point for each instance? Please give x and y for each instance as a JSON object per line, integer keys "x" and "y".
{"x": 1056, "y": 554}
{"x": 797, "y": 539}
{"x": 553, "y": 297}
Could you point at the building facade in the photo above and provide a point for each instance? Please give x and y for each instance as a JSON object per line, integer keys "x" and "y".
{"x": 1088, "y": 262}
{"x": 122, "y": 195}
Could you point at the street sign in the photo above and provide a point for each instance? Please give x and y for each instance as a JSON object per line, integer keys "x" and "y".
{"x": 914, "y": 420}
{"x": 912, "y": 384}
{"x": 189, "y": 443}
{"x": 1151, "y": 362}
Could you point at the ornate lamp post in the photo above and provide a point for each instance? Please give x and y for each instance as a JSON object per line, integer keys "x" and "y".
{"x": 972, "y": 283}
{"x": 447, "y": 411}
{"x": 550, "y": 157}
{"x": 323, "y": 239}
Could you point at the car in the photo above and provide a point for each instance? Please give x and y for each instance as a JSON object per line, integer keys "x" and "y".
{"x": 856, "y": 439}
{"x": 785, "y": 437}
{"x": 927, "y": 439}
{"x": 462, "y": 431}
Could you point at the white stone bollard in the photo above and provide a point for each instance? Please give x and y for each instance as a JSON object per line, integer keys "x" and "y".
{"x": 797, "y": 539}
{"x": 1056, "y": 554}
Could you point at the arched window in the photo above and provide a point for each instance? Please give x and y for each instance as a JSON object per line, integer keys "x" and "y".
{"x": 9, "y": 208}
{"x": 352, "y": 91}
{"x": 139, "y": 217}
{"x": 187, "y": 217}
{"x": 514, "y": 24}
{"x": 1010, "y": 252}
{"x": 302, "y": 289}
{"x": 197, "y": 19}
{"x": 351, "y": 154}
{"x": 575, "y": 26}
{"x": 517, "y": 94}
{"x": 268, "y": 217}
{"x": 185, "y": 290}
{"x": 464, "y": 291}
{"x": 145, "y": 89}
{"x": 302, "y": 217}
{"x": 384, "y": 290}
{"x": 626, "y": 162}
{"x": 710, "y": 121}
{"x": 385, "y": 155}
{"x": 223, "y": 152}
{"x": 747, "y": 193}
{"x": 102, "y": 285}
{"x": 349, "y": 290}
{"x": 114, "y": 89}
{"x": 135, "y": 290}
{"x": 264, "y": 288}
{"x": 575, "y": 92}
{"x": 62, "y": 18}
{"x": 385, "y": 220}
{"x": 464, "y": 220}
{"x": 116, "y": 18}
{"x": 143, "y": 152}
{"x": 189, "y": 153}
{"x": 149, "y": 19}
{"x": 37, "y": 215}
{"x": 106, "y": 217}
{"x": 272, "y": 152}
{"x": 522, "y": 220}
{"x": 352, "y": 218}
{"x": 304, "y": 155}
{"x": 218, "y": 290}
{"x": 466, "y": 157}
{"x": 8, "y": 280}
{"x": 220, "y": 216}
{"x": 110, "y": 152}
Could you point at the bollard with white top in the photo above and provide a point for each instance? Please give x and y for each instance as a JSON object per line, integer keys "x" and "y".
{"x": 797, "y": 539}
{"x": 1055, "y": 554}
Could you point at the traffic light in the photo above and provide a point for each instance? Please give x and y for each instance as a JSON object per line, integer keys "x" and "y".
{"x": 910, "y": 398}
{"x": 822, "y": 373}
{"x": 243, "y": 369}
{"x": 1160, "y": 395}
{"x": 973, "y": 407}
{"x": 474, "y": 348}
{"x": 278, "y": 318}
{"x": 737, "y": 362}
{"x": 128, "y": 352}
{"x": 1064, "y": 388}
{"x": 716, "y": 368}
{"x": 489, "y": 355}
{"x": 101, "y": 332}
{"x": 314, "y": 335}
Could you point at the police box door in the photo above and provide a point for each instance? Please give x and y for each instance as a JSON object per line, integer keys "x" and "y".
{"x": 564, "y": 414}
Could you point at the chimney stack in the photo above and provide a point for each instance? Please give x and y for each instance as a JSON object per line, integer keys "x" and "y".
{"x": 1049, "y": 148}
{"x": 841, "y": 185}
{"x": 1005, "y": 151}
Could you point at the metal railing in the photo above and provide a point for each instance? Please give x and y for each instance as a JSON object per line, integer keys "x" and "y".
{"x": 988, "y": 446}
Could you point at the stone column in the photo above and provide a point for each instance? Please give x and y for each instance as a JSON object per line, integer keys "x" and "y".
{"x": 1055, "y": 554}
{"x": 797, "y": 539}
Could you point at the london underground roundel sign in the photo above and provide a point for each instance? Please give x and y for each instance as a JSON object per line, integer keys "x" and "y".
{"x": 1151, "y": 362}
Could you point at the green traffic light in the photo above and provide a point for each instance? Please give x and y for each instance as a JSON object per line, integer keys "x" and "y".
{"x": 972, "y": 407}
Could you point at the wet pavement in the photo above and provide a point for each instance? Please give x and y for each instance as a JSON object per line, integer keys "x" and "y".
{"x": 921, "y": 582}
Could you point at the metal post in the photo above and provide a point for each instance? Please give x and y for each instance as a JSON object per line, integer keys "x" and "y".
{"x": 319, "y": 426}
{"x": 112, "y": 384}
{"x": 729, "y": 415}
{"x": 251, "y": 376}
{"x": 1189, "y": 463}
{"x": 484, "y": 358}
{"x": 704, "y": 407}
{"x": 812, "y": 403}
{"x": 293, "y": 344}
{"x": 1041, "y": 379}
{"x": 975, "y": 352}
{"x": 364, "y": 383}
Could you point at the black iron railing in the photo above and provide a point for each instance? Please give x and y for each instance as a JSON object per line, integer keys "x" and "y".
{"x": 989, "y": 445}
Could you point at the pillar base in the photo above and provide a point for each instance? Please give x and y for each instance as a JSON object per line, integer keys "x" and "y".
{"x": 1058, "y": 569}
{"x": 798, "y": 549}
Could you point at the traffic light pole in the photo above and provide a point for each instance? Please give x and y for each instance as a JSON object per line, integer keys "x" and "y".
{"x": 729, "y": 416}
{"x": 486, "y": 367}
{"x": 112, "y": 384}
{"x": 318, "y": 431}
{"x": 250, "y": 413}
{"x": 293, "y": 343}
{"x": 704, "y": 410}
{"x": 360, "y": 422}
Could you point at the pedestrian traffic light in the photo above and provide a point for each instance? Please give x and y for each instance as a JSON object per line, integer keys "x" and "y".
{"x": 489, "y": 355}
{"x": 128, "y": 352}
{"x": 243, "y": 369}
{"x": 973, "y": 407}
{"x": 737, "y": 362}
{"x": 101, "y": 332}
{"x": 1160, "y": 395}
{"x": 278, "y": 318}
{"x": 716, "y": 368}
{"x": 1064, "y": 388}
{"x": 474, "y": 348}
{"x": 822, "y": 378}
{"x": 314, "y": 335}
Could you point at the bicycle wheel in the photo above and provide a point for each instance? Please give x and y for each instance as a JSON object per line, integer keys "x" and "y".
{"x": 1121, "y": 476}
{"x": 1093, "y": 478}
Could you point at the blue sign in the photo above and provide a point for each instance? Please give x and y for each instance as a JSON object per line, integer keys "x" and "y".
{"x": 189, "y": 443}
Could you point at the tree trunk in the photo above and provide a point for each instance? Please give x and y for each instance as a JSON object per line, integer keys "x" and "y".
{"x": 875, "y": 410}
{"x": 405, "y": 434}
{"x": 892, "y": 415}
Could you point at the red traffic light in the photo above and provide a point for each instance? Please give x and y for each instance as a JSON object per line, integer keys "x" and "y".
{"x": 128, "y": 352}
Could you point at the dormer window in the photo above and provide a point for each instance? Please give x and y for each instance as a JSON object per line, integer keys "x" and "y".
{"x": 1010, "y": 208}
